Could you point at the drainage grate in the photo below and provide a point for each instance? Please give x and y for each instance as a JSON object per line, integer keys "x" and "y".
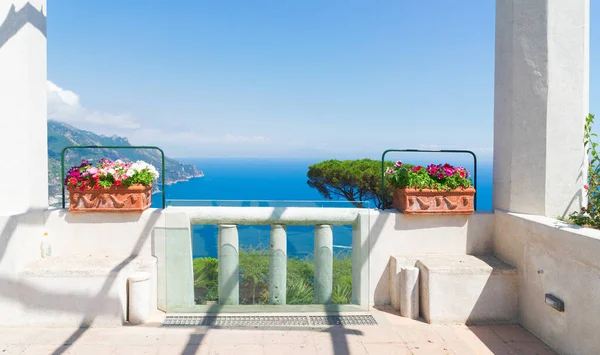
{"x": 266, "y": 321}
{"x": 236, "y": 321}
{"x": 343, "y": 320}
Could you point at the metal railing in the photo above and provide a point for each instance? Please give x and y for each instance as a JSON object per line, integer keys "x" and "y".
{"x": 162, "y": 169}
{"x": 429, "y": 151}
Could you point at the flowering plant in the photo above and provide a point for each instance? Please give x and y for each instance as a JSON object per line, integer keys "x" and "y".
{"x": 589, "y": 216}
{"x": 435, "y": 177}
{"x": 109, "y": 173}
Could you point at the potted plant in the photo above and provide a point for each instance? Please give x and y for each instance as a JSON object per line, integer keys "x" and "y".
{"x": 439, "y": 189}
{"x": 110, "y": 186}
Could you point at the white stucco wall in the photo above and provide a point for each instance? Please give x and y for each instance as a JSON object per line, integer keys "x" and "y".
{"x": 393, "y": 233}
{"x": 541, "y": 98}
{"x": 23, "y": 123}
{"x": 554, "y": 258}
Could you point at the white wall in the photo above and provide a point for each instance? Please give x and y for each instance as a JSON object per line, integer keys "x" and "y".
{"x": 84, "y": 281}
{"x": 564, "y": 261}
{"x": 393, "y": 233}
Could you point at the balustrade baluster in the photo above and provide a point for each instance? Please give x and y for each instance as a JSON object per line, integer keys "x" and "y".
{"x": 323, "y": 264}
{"x": 278, "y": 265}
{"x": 229, "y": 265}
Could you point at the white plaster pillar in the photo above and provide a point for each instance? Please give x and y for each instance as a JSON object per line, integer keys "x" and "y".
{"x": 23, "y": 123}
{"x": 409, "y": 292}
{"x": 540, "y": 103}
{"x": 140, "y": 287}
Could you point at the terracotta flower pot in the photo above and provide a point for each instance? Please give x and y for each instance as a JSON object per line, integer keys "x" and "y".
{"x": 134, "y": 198}
{"x": 428, "y": 201}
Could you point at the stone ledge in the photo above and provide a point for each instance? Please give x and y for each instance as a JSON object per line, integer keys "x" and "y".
{"x": 84, "y": 265}
{"x": 466, "y": 264}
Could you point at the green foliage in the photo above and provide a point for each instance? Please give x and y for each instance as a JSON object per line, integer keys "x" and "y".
{"x": 437, "y": 177}
{"x": 590, "y": 215}
{"x": 143, "y": 177}
{"x": 206, "y": 271}
{"x": 254, "y": 272}
{"x": 299, "y": 291}
{"x": 254, "y": 275}
{"x": 353, "y": 180}
{"x": 342, "y": 279}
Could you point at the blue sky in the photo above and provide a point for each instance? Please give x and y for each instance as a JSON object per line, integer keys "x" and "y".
{"x": 303, "y": 78}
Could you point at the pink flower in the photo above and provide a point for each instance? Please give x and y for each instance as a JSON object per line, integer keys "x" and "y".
{"x": 92, "y": 171}
{"x": 416, "y": 169}
{"x": 398, "y": 164}
{"x": 432, "y": 169}
{"x": 391, "y": 171}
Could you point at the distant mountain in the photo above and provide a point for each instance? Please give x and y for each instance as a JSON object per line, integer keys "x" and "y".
{"x": 61, "y": 135}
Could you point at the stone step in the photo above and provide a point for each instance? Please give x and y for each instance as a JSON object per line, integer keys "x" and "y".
{"x": 76, "y": 291}
{"x": 467, "y": 289}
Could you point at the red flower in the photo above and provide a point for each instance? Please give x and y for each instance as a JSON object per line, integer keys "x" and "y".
{"x": 463, "y": 174}
{"x": 416, "y": 169}
{"x": 97, "y": 187}
{"x": 118, "y": 183}
{"x": 586, "y": 186}
{"x": 73, "y": 181}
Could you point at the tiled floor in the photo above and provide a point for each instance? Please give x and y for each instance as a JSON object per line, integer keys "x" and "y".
{"x": 393, "y": 335}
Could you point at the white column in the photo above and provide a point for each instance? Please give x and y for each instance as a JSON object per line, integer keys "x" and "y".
{"x": 541, "y": 100}
{"x": 278, "y": 265}
{"x": 229, "y": 265}
{"x": 323, "y": 264}
{"x": 23, "y": 124}
{"x": 140, "y": 287}
{"x": 409, "y": 292}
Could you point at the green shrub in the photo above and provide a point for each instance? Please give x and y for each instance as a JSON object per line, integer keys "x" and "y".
{"x": 254, "y": 278}
{"x": 206, "y": 280}
{"x": 299, "y": 291}
{"x": 254, "y": 274}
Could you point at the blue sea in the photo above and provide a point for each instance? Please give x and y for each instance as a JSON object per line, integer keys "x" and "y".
{"x": 247, "y": 181}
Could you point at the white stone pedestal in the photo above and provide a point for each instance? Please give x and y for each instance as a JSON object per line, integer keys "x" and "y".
{"x": 139, "y": 297}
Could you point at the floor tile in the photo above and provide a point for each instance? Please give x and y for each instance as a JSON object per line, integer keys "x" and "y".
{"x": 287, "y": 337}
{"x": 430, "y": 349}
{"x": 20, "y": 336}
{"x": 12, "y": 349}
{"x": 289, "y": 349}
{"x": 122, "y": 336}
{"x": 186, "y": 336}
{"x": 226, "y": 336}
{"x": 89, "y": 349}
{"x": 136, "y": 350}
{"x": 387, "y": 349}
{"x": 531, "y": 348}
{"x": 513, "y": 332}
{"x": 184, "y": 349}
{"x": 451, "y": 338}
{"x": 239, "y": 349}
{"x": 349, "y": 347}
{"x": 59, "y": 336}
{"x": 46, "y": 349}
{"x": 418, "y": 335}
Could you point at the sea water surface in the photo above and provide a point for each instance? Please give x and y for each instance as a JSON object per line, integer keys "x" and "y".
{"x": 274, "y": 182}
